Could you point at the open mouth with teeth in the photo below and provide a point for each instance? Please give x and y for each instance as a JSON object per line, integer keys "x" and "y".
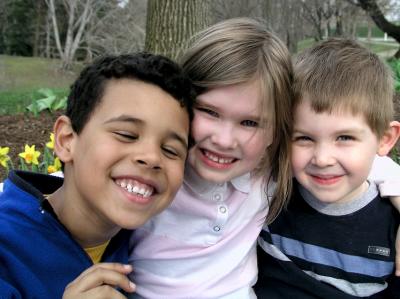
{"x": 136, "y": 188}
{"x": 218, "y": 159}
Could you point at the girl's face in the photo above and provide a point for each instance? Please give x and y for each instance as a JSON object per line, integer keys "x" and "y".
{"x": 230, "y": 139}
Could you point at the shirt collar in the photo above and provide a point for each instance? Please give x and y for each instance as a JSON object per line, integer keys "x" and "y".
{"x": 242, "y": 183}
{"x": 340, "y": 209}
{"x": 206, "y": 188}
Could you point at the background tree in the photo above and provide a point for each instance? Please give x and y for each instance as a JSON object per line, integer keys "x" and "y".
{"x": 285, "y": 19}
{"x": 226, "y": 9}
{"x": 171, "y": 23}
{"x": 318, "y": 14}
{"x": 376, "y": 14}
{"x": 82, "y": 29}
{"x": 118, "y": 29}
{"x": 78, "y": 14}
{"x": 18, "y": 18}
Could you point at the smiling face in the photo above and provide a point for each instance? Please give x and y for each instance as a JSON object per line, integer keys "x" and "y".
{"x": 332, "y": 153}
{"x": 229, "y": 138}
{"x": 127, "y": 163}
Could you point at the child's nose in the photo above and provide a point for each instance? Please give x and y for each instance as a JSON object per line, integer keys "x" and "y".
{"x": 149, "y": 157}
{"x": 323, "y": 156}
{"x": 224, "y": 136}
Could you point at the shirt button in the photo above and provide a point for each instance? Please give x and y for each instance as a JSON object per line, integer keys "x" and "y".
{"x": 217, "y": 228}
{"x": 217, "y": 196}
{"x": 222, "y": 209}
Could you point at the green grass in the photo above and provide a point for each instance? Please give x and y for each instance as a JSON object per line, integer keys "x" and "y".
{"x": 395, "y": 155}
{"x": 362, "y": 31}
{"x": 381, "y": 47}
{"x": 378, "y": 47}
{"x": 21, "y": 77}
{"x": 305, "y": 44}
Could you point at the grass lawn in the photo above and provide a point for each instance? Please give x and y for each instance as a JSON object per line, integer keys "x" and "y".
{"x": 21, "y": 77}
{"x": 379, "y": 47}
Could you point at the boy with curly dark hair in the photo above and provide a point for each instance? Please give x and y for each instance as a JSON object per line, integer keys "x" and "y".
{"x": 123, "y": 142}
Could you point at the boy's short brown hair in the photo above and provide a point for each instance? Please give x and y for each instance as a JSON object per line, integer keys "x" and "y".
{"x": 340, "y": 74}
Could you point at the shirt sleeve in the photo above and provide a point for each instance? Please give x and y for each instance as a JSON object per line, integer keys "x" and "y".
{"x": 7, "y": 291}
{"x": 386, "y": 174}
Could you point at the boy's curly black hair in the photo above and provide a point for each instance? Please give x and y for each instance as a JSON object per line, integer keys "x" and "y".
{"x": 87, "y": 91}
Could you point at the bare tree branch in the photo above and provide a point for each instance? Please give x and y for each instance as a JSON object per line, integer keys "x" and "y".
{"x": 52, "y": 10}
{"x": 372, "y": 8}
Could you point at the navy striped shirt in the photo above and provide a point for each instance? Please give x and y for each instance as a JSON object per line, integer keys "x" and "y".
{"x": 316, "y": 250}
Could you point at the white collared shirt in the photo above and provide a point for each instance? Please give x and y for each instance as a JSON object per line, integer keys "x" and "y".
{"x": 203, "y": 245}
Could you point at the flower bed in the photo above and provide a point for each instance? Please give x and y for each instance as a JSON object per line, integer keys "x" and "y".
{"x": 21, "y": 129}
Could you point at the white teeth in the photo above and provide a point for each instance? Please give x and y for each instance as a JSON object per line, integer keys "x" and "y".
{"x": 217, "y": 159}
{"x": 133, "y": 186}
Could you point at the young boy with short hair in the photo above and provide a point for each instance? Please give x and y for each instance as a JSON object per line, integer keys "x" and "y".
{"x": 336, "y": 239}
{"x": 123, "y": 142}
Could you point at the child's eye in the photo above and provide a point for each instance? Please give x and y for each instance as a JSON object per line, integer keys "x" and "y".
{"x": 208, "y": 111}
{"x": 302, "y": 138}
{"x": 126, "y": 135}
{"x": 345, "y": 138}
{"x": 249, "y": 123}
{"x": 170, "y": 152}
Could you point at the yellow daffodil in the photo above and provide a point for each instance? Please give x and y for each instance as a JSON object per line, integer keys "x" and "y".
{"x": 55, "y": 167}
{"x": 4, "y": 158}
{"x": 30, "y": 155}
{"x": 50, "y": 144}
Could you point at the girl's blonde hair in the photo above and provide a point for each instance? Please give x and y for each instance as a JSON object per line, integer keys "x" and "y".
{"x": 241, "y": 50}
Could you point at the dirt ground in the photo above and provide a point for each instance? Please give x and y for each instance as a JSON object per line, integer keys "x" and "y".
{"x": 21, "y": 129}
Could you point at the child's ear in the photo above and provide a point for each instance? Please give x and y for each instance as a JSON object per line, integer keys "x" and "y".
{"x": 64, "y": 137}
{"x": 389, "y": 138}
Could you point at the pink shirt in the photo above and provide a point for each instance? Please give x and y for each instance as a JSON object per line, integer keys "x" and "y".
{"x": 204, "y": 244}
{"x": 386, "y": 173}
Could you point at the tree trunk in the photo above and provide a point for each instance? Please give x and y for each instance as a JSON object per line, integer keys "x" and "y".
{"x": 339, "y": 22}
{"x": 171, "y": 23}
{"x": 371, "y": 7}
{"x": 48, "y": 34}
{"x": 39, "y": 15}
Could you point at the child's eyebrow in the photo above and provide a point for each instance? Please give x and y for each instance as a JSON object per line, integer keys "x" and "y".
{"x": 124, "y": 118}
{"x": 130, "y": 119}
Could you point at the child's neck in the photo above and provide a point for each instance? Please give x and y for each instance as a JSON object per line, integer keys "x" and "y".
{"x": 365, "y": 194}
{"x": 82, "y": 228}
